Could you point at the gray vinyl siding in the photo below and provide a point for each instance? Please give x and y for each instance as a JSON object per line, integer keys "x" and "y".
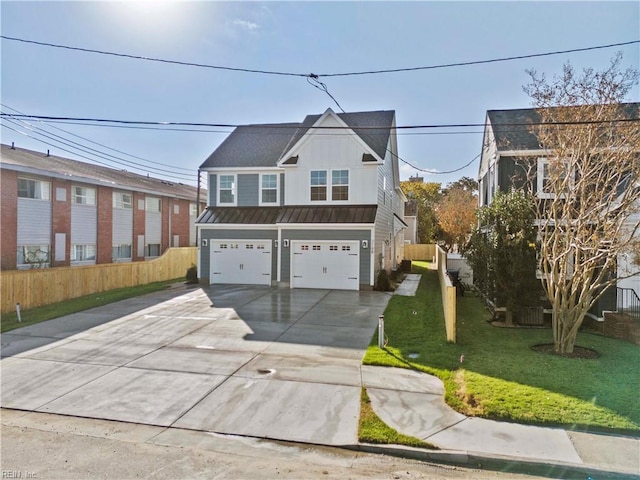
{"x": 248, "y": 190}
{"x": 34, "y": 222}
{"x": 152, "y": 227}
{"x": 192, "y": 230}
{"x": 337, "y": 235}
{"x": 122, "y": 226}
{"x": 384, "y": 216}
{"x": 213, "y": 189}
{"x": 211, "y": 234}
{"x": 84, "y": 223}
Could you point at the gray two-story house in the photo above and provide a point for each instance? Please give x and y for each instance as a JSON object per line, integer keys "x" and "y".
{"x": 315, "y": 204}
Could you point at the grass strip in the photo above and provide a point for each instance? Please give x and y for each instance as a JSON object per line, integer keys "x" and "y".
{"x": 74, "y": 305}
{"x": 501, "y": 377}
{"x": 372, "y": 429}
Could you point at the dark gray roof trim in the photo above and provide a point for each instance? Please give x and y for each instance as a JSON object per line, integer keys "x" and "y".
{"x": 38, "y": 163}
{"x": 264, "y": 145}
{"x": 294, "y": 214}
{"x": 400, "y": 220}
{"x": 519, "y": 137}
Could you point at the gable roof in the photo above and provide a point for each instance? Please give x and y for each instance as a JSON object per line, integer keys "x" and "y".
{"x": 511, "y": 128}
{"x": 38, "y": 163}
{"x": 264, "y": 145}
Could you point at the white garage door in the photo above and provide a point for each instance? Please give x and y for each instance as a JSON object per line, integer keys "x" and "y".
{"x": 325, "y": 264}
{"x": 246, "y": 262}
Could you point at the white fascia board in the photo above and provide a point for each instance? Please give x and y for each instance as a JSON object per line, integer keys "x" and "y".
{"x": 234, "y": 226}
{"x": 312, "y": 131}
{"x": 91, "y": 181}
{"x": 524, "y": 153}
{"x": 243, "y": 170}
{"x": 325, "y": 226}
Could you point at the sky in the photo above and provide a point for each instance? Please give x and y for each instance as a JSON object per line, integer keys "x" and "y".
{"x": 301, "y": 37}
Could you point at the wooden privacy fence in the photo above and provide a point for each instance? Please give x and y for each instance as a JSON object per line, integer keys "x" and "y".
{"x": 419, "y": 251}
{"x": 37, "y": 287}
{"x": 448, "y": 295}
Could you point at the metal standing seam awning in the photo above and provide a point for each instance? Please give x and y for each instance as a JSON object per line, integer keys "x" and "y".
{"x": 321, "y": 214}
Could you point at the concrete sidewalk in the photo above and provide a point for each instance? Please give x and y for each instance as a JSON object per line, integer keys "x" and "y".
{"x": 413, "y": 403}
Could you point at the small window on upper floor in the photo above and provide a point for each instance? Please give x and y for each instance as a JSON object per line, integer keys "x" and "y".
{"x": 83, "y": 195}
{"x": 36, "y": 189}
{"x": 226, "y": 189}
{"x": 553, "y": 177}
{"x": 268, "y": 188}
{"x": 153, "y": 204}
{"x": 122, "y": 200}
{"x": 318, "y": 185}
{"x": 193, "y": 209}
{"x": 339, "y": 184}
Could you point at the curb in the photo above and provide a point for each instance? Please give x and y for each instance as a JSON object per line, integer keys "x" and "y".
{"x": 501, "y": 463}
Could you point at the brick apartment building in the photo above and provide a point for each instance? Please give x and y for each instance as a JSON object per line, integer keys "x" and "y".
{"x": 60, "y": 212}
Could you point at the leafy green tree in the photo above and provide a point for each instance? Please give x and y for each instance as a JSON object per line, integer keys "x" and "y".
{"x": 502, "y": 251}
{"x": 426, "y": 195}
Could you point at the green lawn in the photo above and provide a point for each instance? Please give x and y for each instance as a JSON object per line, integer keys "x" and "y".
{"x": 47, "y": 312}
{"x": 501, "y": 377}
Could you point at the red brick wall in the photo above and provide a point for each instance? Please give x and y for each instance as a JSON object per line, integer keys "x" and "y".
{"x": 60, "y": 220}
{"x": 104, "y": 246}
{"x": 9, "y": 212}
{"x": 180, "y": 222}
{"x": 138, "y": 225}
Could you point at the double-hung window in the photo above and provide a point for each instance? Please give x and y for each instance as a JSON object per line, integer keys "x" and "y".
{"x": 122, "y": 200}
{"x": 83, "y": 195}
{"x": 554, "y": 177}
{"x": 36, "y": 189}
{"x": 339, "y": 184}
{"x": 269, "y": 189}
{"x": 83, "y": 253}
{"x": 226, "y": 189}
{"x": 318, "y": 185}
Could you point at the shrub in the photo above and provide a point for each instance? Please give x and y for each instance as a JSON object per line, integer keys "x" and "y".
{"x": 192, "y": 274}
{"x": 383, "y": 283}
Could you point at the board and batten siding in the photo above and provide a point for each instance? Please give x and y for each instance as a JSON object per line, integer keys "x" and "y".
{"x": 331, "y": 152}
{"x": 211, "y": 234}
{"x": 248, "y": 189}
{"x": 84, "y": 224}
{"x": 213, "y": 189}
{"x": 34, "y": 222}
{"x": 327, "y": 235}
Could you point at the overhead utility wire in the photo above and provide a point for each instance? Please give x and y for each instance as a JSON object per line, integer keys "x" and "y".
{"x": 280, "y": 126}
{"x": 70, "y": 143}
{"x": 312, "y": 75}
{"x": 153, "y": 163}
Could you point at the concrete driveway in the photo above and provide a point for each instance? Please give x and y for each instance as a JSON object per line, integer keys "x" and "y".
{"x": 256, "y": 361}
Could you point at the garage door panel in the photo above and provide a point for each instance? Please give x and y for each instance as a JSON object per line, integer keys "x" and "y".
{"x": 325, "y": 264}
{"x": 246, "y": 262}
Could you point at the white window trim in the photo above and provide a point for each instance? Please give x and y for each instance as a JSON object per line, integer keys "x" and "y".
{"x": 44, "y": 264}
{"x": 44, "y": 182}
{"x": 83, "y": 261}
{"x": 234, "y": 190}
{"x": 147, "y": 203}
{"x": 277, "y": 202}
{"x": 348, "y": 185}
{"x": 540, "y": 193}
{"x": 329, "y": 187}
{"x": 120, "y": 196}
{"x": 84, "y": 195}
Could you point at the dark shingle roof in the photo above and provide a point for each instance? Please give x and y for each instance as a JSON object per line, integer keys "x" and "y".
{"x": 293, "y": 214}
{"x": 38, "y": 163}
{"x": 511, "y": 128}
{"x": 264, "y": 145}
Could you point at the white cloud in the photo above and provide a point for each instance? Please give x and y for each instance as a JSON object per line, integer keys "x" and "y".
{"x": 246, "y": 24}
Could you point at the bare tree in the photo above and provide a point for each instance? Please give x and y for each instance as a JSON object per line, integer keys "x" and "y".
{"x": 587, "y": 185}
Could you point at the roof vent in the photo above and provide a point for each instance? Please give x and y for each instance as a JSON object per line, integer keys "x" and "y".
{"x": 12, "y": 146}
{"x": 47, "y": 152}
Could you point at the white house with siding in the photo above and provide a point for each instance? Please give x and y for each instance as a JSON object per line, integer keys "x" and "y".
{"x": 315, "y": 204}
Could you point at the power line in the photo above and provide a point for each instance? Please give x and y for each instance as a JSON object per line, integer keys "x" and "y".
{"x": 312, "y": 75}
{"x": 178, "y": 169}
{"x": 288, "y": 126}
{"x": 70, "y": 143}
